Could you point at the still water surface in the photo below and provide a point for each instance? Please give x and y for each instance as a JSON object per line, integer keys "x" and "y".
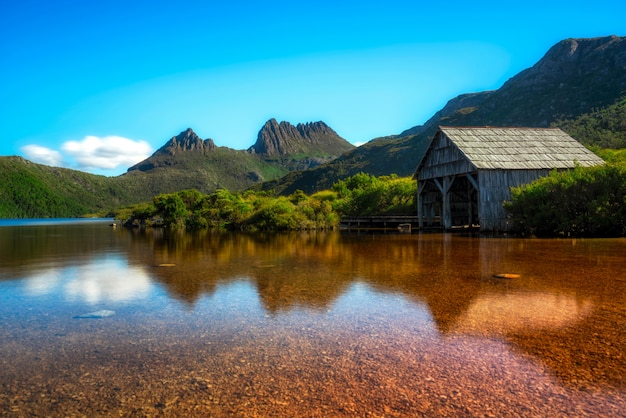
{"x": 308, "y": 324}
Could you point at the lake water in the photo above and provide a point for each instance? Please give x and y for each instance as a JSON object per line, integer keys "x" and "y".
{"x": 308, "y": 324}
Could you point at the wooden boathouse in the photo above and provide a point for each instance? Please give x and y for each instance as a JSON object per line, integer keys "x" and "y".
{"x": 466, "y": 174}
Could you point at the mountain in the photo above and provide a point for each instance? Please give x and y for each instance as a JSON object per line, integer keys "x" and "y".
{"x": 177, "y": 145}
{"x": 579, "y": 85}
{"x": 281, "y": 139}
{"x": 185, "y": 161}
{"x": 299, "y": 147}
{"x": 574, "y": 78}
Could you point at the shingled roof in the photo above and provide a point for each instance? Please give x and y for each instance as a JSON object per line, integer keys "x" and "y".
{"x": 520, "y": 148}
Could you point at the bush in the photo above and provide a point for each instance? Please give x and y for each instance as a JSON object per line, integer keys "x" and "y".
{"x": 363, "y": 194}
{"x": 273, "y": 215}
{"x": 580, "y": 202}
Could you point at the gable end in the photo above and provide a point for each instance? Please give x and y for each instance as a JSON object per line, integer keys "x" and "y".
{"x": 443, "y": 158}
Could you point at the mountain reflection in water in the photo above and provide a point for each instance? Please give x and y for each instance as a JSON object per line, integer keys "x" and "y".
{"x": 565, "y": 312}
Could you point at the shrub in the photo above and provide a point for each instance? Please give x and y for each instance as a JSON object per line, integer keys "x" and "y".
{"x": 363, "y": 194}
{"x": 580, "y": 202}
{"x": 273, "y": 214}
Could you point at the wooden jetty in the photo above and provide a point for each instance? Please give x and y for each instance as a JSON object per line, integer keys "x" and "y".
{"x": 402, "y": 223}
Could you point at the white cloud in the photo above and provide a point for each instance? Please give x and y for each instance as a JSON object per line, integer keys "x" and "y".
{"x": 43, "y": 155}
{"x": 107, "y": 153}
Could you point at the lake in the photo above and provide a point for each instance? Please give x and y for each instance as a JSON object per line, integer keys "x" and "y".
{"x": 103, "y": 321}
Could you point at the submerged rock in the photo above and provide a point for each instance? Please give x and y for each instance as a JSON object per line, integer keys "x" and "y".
{"x": 506, "y": 276}
{"x": 97, "y": 314}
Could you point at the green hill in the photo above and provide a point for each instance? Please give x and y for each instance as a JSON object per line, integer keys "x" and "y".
{"x": 29, "y": 190}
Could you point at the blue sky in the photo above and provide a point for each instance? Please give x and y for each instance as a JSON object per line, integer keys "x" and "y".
{"x": 100, "y": 85}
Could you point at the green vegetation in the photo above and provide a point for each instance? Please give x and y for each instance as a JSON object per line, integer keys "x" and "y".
{"x": 612, "y": 156}
{"x": 36, "y": 200}
{"x": 262, "y": 211}
{"x": 29, "y": 190}
{"x": 234, "y": 211}
{"x": 579, "y": 202}
{"x": 603, "y": 128}
{"x": 363, "y": 194}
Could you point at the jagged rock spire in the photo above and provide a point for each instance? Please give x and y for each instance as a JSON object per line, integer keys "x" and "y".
{"x": 279, "y": 139}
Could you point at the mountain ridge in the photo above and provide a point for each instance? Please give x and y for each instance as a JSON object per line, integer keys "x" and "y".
{"x": 574, "y": 78}
{"x": 187, "y": 140}
{"x": 187, "y": 161}
{"x": 582, "y": 72}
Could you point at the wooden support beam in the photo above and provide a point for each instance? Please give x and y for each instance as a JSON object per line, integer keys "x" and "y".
{"x": 472, "y": 180}
{"x": 439, "y": 186}
{"x": 446, "y": 212}
{"x": 470, "y": 212}
{"x": 445, "y": 191}
{"x": 420, "y": 204}
{"x": 474, "y": 183}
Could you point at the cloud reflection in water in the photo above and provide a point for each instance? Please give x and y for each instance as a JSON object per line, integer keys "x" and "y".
{"x": 101, "y": 280}
{"x": 534, "y": 311}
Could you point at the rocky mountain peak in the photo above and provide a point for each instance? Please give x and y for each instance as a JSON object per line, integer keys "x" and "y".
{"x": 187, "y": 140}
{"x": 281, "y": 139}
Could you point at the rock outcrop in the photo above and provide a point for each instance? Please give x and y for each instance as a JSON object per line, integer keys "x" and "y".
{"x": 284, "y": 139}
{"x": 186, "y": 141}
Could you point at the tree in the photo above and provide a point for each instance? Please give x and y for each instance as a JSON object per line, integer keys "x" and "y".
{"x": 172, "y": 209}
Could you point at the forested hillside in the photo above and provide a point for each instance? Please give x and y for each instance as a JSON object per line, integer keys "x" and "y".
{"x": 29, "y": 190}
{"x": 603, "y": 128}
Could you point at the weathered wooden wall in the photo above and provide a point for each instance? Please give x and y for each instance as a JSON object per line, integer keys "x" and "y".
{"x": 495, "y": 189}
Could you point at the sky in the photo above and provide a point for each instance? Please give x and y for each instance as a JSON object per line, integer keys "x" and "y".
{"x": 98, "y": 85}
